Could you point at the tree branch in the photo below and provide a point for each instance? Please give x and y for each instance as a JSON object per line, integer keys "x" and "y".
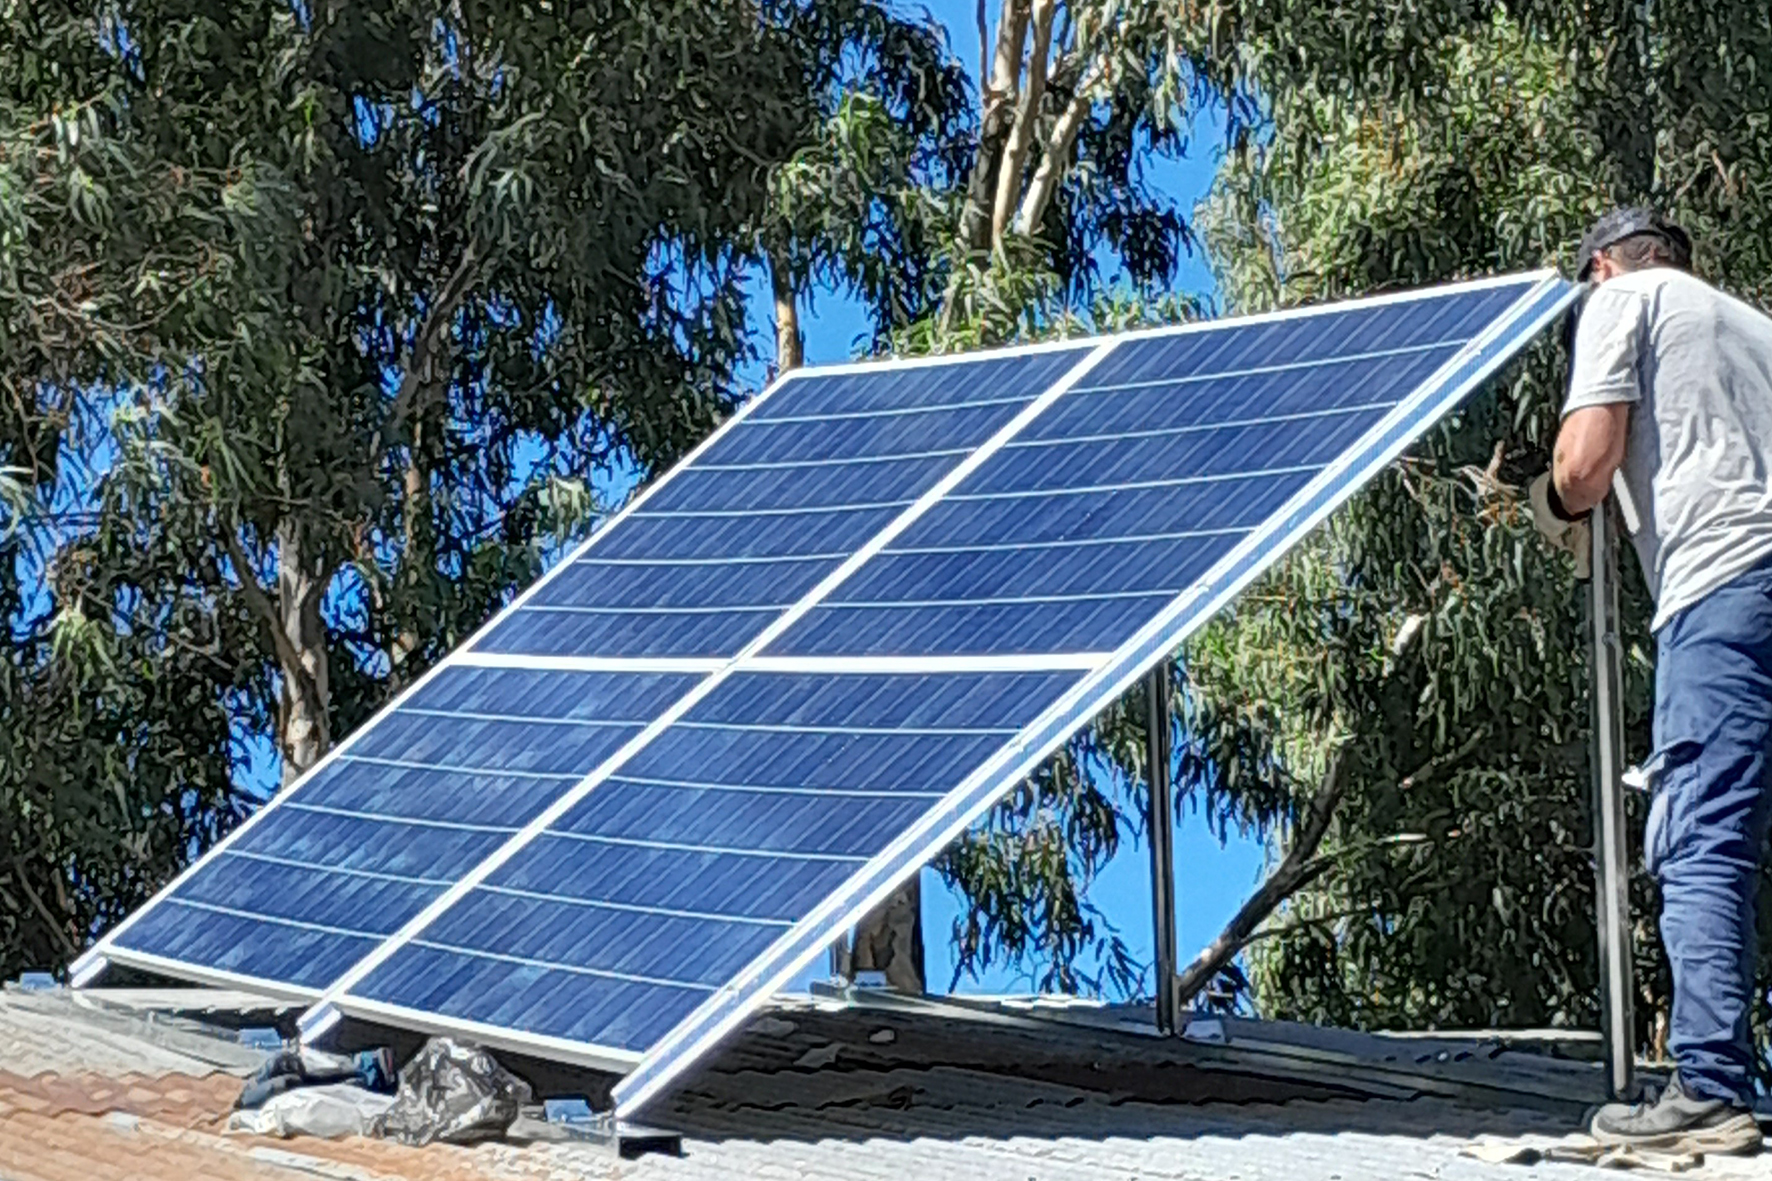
{"x": 1298, "y": 868}
{"x": 425, "y": 345}
{"x": 1027, "y": 115}
{"x": 1055, "y": 154}
{"x": 984, "y": 44}
{"x": 1301, "y": 866}
{"x": 56, "y": 927}
{"x": 256, "y": 599}
{"x": 996, "y": 93}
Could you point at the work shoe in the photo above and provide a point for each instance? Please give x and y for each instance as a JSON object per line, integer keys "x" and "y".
{"x": 1678, "y": 1122}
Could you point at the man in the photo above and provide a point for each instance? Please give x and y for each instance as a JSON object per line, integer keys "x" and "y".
{"x": 1671, "y": 387}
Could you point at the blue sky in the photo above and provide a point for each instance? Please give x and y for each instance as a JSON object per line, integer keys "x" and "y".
{"x": 1211, "y": 880}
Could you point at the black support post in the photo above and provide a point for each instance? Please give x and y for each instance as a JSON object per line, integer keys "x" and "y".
{"x": 1611, "y": 852}
{"x": 1160, "y": 824}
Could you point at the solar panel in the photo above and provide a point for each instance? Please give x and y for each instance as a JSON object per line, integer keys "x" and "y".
{"x": 997, "y": 546}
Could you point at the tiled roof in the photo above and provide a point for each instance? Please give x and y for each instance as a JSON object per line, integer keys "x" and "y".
{"x": 819, "y": 1090}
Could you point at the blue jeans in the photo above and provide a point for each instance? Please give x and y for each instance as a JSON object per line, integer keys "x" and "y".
{"x": 1708, "y": 822}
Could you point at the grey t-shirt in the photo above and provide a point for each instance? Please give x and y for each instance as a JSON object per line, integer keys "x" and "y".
{"x": 1696, "y": 365}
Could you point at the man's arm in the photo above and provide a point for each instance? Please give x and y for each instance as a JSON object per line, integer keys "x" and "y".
{"x": 1590, "y": 446}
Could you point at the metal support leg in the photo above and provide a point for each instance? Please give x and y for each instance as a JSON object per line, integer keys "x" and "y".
{"x": 1160, "y": 824}
{"x": 840, "y": 953}
{"x": 1611, "y": 864}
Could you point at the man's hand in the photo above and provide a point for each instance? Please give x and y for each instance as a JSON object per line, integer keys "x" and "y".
{"x": 1574, "y": 538}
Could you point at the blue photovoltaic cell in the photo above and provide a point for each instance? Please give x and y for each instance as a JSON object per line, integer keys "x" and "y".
{"x": 414, "y": 803}
{"x": 708, "y": 845}
{"x": 736, "y": 537}
{"x": 1151, "y": 469}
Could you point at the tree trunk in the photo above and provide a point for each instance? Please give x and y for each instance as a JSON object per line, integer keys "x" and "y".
{"x": 789, "y": 345}
{"x": 302, "y": 726}
{"x": 891, "y": 941}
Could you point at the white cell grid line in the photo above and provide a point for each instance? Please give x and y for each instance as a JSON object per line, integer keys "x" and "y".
{"x": 834, "y": 666}
{"x": 456, "y": 768}
{"x": 887, "y": 412}
{"x": 981, "y": 790}
{"x": 89, "y": 964}
{"x": 1170, "y": 432}
{"x": 835, "y": 461}
{"x": 235, "y": 912}
{"x": 815, "y": 510}
{"x": 1001, "y": 601}
{"x": 1134, "y": 485}
{"x": 638, "y": 665}
{"x": 597, "y": 838}
{"x": 764, "y": 789}
{"x": 341, "y": 870}
{"x": 758, "y": 560}
{"x": 647, "y": 611}
{"x": 845, "y": 731}
{"x": 1068, "y": 542}
{"x": 523, "y": 961}
{"x": 390, "y": 818}
{"x": 324, "y": 1013}
{"x": 634, "y": 908}
{"x": 461, "y": 715}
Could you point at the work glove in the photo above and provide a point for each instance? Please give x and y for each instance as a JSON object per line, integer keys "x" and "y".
{"x": 1574, "y": 538}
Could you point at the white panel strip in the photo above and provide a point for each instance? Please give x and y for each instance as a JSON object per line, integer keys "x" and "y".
{"x": 106, "y": 943}
{"x": 319, "y": 1015}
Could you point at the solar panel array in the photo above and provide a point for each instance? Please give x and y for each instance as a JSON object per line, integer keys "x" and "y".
{"x": 660, "y": 783}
